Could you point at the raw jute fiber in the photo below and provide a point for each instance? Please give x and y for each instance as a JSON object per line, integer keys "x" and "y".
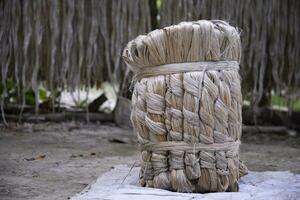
{"x": 187, "y": 106}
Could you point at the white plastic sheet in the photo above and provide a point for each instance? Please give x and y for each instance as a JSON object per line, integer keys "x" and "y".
{"x": 121, "y": 184}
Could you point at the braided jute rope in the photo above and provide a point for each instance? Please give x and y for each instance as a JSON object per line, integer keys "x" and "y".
{"x": 187, "y": 106}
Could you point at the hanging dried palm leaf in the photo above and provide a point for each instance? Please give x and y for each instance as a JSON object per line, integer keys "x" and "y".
{"x": 66, "y": 44}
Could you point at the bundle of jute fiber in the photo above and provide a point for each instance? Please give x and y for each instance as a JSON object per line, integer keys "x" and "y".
{"x": 187, "y": 106}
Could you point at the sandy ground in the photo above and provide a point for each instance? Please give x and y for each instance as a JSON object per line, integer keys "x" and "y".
{"x": 55, "y": 161}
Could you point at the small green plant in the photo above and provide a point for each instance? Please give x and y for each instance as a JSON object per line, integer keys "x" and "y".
{"x": 11, "y": 93}
{"x": 281, "y": 101}
{"x": 13, "y": 97}
{"x": 30, "y": 96}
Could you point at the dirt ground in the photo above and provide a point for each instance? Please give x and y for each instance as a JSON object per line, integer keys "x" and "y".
{"x": 57, "y": 160}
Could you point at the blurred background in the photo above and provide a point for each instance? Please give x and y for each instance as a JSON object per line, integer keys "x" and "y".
{"x": 65, "y": 98}
{"x": 61, "y": 56}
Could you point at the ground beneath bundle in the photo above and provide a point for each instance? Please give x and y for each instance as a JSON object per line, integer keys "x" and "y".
{"x": 58, "y": 160}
